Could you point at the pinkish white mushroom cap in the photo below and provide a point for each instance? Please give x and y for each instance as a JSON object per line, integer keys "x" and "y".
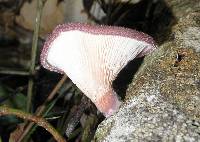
{"x": 92, "y": 56}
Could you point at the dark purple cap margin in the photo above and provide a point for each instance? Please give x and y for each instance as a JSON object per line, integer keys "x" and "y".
{"x": 93, "y": 29}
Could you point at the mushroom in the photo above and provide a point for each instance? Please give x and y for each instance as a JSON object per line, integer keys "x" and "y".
{"x": 92, "y": 56}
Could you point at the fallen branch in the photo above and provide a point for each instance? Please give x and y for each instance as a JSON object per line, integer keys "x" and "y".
{"x": 36, "y": 119}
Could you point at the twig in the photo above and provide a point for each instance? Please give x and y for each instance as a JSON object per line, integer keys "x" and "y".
{"x": 40, "y": 4}
{"x": 39, "y": 120}
{"x": 40, "y": 109}
{"x": 13, "y": 72}
{"x": 51, "y": 95}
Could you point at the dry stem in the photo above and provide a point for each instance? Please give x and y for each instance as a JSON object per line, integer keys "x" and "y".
{"x": 40, "y": 4}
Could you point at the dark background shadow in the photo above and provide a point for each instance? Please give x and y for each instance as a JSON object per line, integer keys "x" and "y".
{"x": 124, "y": 78}
{"x": 149, "y": 16}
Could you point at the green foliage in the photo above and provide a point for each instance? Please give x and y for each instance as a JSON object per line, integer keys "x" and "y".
{"x": 14, "y": 100}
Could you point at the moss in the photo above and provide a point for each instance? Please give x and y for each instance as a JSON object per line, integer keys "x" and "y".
{"x": 176, "y": 71}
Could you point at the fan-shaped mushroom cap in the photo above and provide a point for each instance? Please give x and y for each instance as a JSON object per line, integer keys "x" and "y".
{"x": 92, "y": 56}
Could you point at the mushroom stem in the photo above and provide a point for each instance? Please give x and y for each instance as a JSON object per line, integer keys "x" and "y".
{"x": 108, "y": 104}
